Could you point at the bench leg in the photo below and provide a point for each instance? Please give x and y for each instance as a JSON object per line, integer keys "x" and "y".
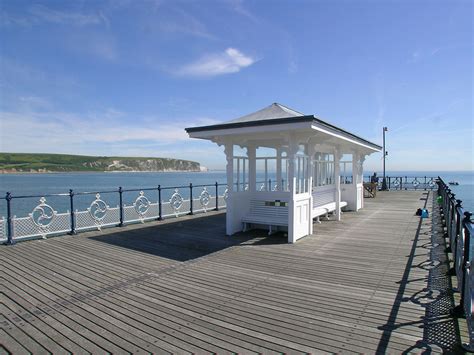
{"x": 317, "y": 220}
{"x": 245, "y": 227}
{"x": 270, "y": 230}
{"x": 327, "y": 216}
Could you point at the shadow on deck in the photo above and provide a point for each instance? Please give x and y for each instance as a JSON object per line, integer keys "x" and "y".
{"x": 186, "y": 239}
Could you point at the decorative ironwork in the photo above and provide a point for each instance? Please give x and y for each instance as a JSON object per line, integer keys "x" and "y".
{"x": 415, "y": 183}
{"x": 262, "y": 187}
{"x": 43, "y": 214}
{"x": 176, "y": 201}
{"x": 141, "y": 204}
{"x": 98, "y": 209}
{"x": 432, "y": 184}
{"x": 204, "y": 198}
{"x": 226, "y": 194}
{"x": 397, "y": 182}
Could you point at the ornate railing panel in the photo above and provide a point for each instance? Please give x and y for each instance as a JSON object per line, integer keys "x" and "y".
{"x": 131, "y": 215}
{"x": 86, "y": 221}
{"x": 3, "y": 229}
{"x": 95, "y": 212}
{"x": 406, "y": 182}
{"x": 42, "y": 221}
{"x": 141, "y": 210}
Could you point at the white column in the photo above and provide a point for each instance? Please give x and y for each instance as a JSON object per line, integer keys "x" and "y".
{"x": 229, "y": 153}
{"x": 293, "y": 149}
{"x": 291, "y": 186}
{"x": 251, "y": 154}
{"x": 337, "y": 172}
{"x": 311, "y": 153}
{"x": 278, "y": 170}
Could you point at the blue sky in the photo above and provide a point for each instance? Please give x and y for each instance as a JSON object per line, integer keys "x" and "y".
{"x": 125, "y": 77}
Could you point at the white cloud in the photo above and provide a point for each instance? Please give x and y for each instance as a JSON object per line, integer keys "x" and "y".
{"x": 184, "y": 22}
{"x": 38, "y": 14}
{"x": 46, "y": 14}
{"x": 238, "y": 7}
{"x": 108, "y": 132}
{"x": 231, "y": 61}
{"x": 36, "y": 131}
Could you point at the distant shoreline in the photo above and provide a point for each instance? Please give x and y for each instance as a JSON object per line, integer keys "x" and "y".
{"x": 97, "y": 172}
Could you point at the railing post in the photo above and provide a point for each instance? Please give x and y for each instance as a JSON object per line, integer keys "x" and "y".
{"x": 160, "y": 207}
{"x": 458, "y": 219}
{"x": 191, "y": 198}
{"x": 425, "y": 183}
{"x": 457, "y": 234}
{"x": 71, "y": 206}
{"x": 10, "y": 240}
{"x": 217, "y": 197}
{"x": 459, "y": 311}
{"x": 389, "y": 182}
{"x": 406, "y": 183}
{"x": 401, "y": 183}
{"x": 269, "y": 184}
{"x": 121, "y": 205}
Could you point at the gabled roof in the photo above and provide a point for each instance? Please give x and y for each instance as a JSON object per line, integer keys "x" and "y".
{"x": 273, "y": 111}
{"x": 277, "y": 114}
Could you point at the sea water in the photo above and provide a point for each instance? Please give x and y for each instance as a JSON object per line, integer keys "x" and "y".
{"x": 43, "y": 184}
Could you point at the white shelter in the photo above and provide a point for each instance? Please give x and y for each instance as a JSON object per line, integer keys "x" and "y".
{"x": 285, "y": 169}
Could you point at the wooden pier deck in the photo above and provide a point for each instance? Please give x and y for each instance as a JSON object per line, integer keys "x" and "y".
{"x": 373, "y": 283}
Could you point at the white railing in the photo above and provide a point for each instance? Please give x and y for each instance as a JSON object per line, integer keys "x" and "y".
{"x": 95, "y": 214}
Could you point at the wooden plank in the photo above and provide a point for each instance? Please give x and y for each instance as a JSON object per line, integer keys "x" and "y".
{"x": 182, "y": 286}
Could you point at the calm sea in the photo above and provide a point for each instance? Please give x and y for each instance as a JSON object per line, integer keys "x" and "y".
{"x": 39, "y": 184}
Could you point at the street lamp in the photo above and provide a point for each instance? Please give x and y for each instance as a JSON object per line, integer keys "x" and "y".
{"x": 385, "y": 153}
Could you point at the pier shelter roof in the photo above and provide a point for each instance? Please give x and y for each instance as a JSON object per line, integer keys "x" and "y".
{"x": 265, "y": 127}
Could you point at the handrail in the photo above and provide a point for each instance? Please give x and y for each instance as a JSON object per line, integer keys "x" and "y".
{"x": 45, "y": 221}
{"x": 459, "y": 233}
{"x": 407, "y": 182}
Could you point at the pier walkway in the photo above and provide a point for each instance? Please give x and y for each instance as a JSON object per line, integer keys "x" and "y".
{"x": 373, "y": 283}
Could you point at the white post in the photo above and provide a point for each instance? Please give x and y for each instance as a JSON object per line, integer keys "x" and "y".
{"x": 291, "y": 186}
{"x": 355, "y": 168}
{"x": 265, "y": 179}
{"x": 238, "y": 174}
{"x": 310, "y": 186}
{"x": 278, "y": 170}
{"x": 337, "y": 172}
{"x": 229, "y": 153}
{"x": 251, "y": 154}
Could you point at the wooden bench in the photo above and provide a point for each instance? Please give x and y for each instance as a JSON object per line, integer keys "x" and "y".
{"x": 326, "y": 209}
{"x": 271, "y": 213}
{"x": 370, "y": 189}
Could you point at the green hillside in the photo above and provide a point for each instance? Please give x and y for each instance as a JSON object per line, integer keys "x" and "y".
{"x": 25, "y": 162}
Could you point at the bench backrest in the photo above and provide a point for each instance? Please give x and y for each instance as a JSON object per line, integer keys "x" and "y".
{"x": 269, "y": 208}
{"x": 321, "y": 198}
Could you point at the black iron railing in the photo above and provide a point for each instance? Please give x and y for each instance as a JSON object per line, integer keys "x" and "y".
{"x": 406, "y": 182}
{"x": 87, "y": 210}
{"x": 459, "y": 233}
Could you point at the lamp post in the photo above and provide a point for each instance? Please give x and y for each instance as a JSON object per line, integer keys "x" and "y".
{"x": 384, "y": 180}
